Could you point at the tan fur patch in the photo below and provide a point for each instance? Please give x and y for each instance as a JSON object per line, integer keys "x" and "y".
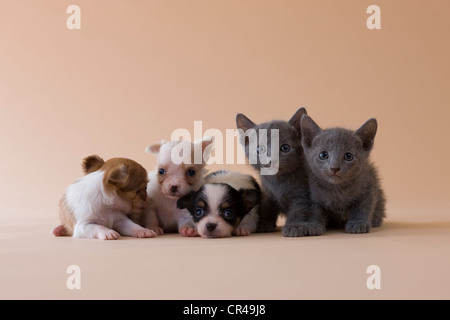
{"x": 66, "y": 217}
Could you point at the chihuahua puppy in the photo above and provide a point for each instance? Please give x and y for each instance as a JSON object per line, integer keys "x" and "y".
{"x": 221, "y": 209}
{"x": 180, "y": 170}
{"x": 102, "y": 204}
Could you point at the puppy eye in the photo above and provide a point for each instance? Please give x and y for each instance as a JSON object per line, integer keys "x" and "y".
{"x": 162, "y": 171}
{"x": 190, "y": 172}
{"x": 199, "y": 213}
{"x": 285, "y": 148}
{"x": 348, "y": 156}
{"x": 261, "y": 149}
{"x": 228, "y": 213}
{"x": 323, "y": 155}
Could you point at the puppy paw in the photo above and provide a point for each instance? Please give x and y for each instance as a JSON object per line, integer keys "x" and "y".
{"x": 188, "y": 231}
{"x": 145, "y": 233}
{"x": 159, "y": 231}
{"x": 241, "y": 231}
{"x": 108, "y": 235}
{"x": 59, "y": 231}
{"x": 357, "y": 227}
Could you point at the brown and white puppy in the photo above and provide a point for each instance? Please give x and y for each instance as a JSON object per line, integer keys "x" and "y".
{"x": 180, "y": 170}
{"x": 226, "y": 204}
{"x": 101, "y": 204}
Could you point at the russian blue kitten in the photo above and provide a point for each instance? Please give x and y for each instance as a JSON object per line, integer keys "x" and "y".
{"x": 286, "y": 191}
{"x": 344, "y": 185}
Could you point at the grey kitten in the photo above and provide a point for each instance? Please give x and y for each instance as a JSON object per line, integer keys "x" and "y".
{"x": 287, "y": 191}
{"x": 344, "y": 185}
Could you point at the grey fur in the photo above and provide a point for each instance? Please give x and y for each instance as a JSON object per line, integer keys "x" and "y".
{"x": 355, "y": 198}
{"x": 287, "y": 191}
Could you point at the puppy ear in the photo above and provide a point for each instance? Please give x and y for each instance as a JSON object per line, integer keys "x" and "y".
{"x": 244, "y": 123}
{"x": 250, "y": 198}
{"x": 119, "y": 176}
{"x": 367, "y": 133}
{"x": 207, "y": 146}
{"x": 185, "y": 202}
{"x": 154, "y": 148}
{"x": 309, "y": 130}
{"x": 92, "y": 163}
{"x": 297, "y": 117}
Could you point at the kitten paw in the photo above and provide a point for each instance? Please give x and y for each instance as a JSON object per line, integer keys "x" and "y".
{"x": 145, "y": 233}
{"x": 314, "y": 229}
{"x": 241, "y": 231}
{"x": 303, "y": 230}
{"x": 108, "y": 235}
{"x": 188, "y": 231}
{"x": 294, "y": 230}
{"x": 357, "y": 227}
{"x": 377, "y": 222}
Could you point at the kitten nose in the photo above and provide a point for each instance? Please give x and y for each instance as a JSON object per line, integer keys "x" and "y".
{"x": 335, "y": 170}
{"x": 174, "y": 188}
{"x": 211, "y": 227}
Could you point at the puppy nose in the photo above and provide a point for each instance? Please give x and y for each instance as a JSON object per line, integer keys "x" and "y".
{"x": 211, "y": 226}
{"x": 335, "y": 169}
{"x": 174, "y": 188}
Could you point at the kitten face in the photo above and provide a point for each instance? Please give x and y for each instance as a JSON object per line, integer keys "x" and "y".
{"x": 337, "y": 155}
{"x": 283, "y": 153}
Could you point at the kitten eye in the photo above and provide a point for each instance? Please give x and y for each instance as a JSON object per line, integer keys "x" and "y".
{"x": 323, "y": 155}
{"x": 285, "y": 148}
{"x": 190, "y": 172}
{"x": 199, "y": 213}
{"x": 348, "y": 156}
{"x": 162, "y": 171}
{"x": 261, "y": 149}
{"x": 228, "y": 213}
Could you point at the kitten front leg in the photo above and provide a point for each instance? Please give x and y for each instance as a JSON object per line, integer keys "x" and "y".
{"x": 359, "y": 220}
{"x": 128, "y": 228}
{"x": 268, "y": 213}
{"x": 304, "y": 220}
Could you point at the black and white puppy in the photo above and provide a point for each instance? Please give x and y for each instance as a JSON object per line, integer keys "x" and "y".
{"x": 227, "y": 204}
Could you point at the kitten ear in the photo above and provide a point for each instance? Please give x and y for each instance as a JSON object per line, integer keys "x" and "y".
{"x": 297, "y": 117}
{"x": 309, "y": 130}
{"x": 250, "y": 197}
{"x": 367, "y": 133}
{"x": 185, "y": 202}
{"x": 244, "y": 123}
{"x": 154, "y": 148}
{"x": 119, "y": 176}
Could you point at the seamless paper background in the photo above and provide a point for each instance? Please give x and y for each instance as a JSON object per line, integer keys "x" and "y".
{"x": 137, "y": 70}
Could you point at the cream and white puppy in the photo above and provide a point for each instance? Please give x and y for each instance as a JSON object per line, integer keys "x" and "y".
{"x": 180, "y": 170}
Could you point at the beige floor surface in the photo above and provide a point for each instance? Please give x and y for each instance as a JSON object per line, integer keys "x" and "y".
{"x": 411, "y": 250}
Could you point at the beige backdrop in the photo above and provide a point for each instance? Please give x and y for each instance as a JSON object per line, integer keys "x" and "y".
{"x": 137, "y": 70}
